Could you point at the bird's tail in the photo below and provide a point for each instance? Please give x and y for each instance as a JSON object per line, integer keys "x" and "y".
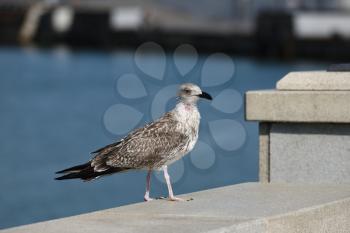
{"x": 86, "y": 172}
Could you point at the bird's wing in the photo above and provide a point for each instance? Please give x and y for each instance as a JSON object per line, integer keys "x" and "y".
{"x": 144, "y": 147}
{"x": 107, "y": 148}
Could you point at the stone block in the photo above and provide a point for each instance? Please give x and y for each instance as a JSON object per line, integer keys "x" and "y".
{"x": 310, "y": 153}
{"x": 315, "y": 81}
{"x": 298, "y": 106}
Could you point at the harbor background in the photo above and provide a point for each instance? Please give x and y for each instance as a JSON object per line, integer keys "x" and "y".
{"x": 286, "y": 29}
{"x": 56, "y": 89}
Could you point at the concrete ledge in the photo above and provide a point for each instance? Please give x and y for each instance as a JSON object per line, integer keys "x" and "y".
{"x": 298, "y": 106}
{"x": 315, "y": 80}
{"x": 249, "y": 208}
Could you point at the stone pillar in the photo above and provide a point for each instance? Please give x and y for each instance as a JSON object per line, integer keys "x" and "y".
{"x": 304, "y": 127}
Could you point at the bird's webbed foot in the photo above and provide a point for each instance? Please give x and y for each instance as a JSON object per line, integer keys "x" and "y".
{"x": 173, "y": 198}
{"x": 148, "y": 199}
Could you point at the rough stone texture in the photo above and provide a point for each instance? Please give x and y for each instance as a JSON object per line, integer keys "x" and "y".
{"x": 298, "y": 106}
{"x": 310, "y": 153}
{"x": 264, "y": 152}
{"x": 315, "y": 80}
{"x": 248, "y": 208}
{"x": 332, "y": 218}
{"x": 314, "y": 152}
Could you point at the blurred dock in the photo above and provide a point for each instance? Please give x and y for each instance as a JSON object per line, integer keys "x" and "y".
{"x": 284, "y": 31}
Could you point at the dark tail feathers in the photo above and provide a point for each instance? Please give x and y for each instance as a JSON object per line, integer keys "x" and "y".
{"x": 75, "y": 168}
{"x": 86, "y": 172}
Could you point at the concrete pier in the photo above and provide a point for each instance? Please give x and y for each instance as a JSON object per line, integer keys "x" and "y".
{"x": 248, "y": 208}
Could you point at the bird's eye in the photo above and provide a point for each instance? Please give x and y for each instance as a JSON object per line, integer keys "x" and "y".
{"x": 187, "y": 91}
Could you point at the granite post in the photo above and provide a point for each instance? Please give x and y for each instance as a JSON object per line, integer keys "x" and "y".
{"x": 304, "y": 128}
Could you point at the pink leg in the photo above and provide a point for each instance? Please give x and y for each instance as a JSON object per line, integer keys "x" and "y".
{"x": 148, "y": 186}
{"x": 170, "y": 189}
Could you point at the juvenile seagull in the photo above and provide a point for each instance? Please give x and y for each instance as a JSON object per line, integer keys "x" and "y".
{"x": 152, "y": 147}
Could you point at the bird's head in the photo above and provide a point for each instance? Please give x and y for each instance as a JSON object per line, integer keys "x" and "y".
{"x": 190, "y": 93}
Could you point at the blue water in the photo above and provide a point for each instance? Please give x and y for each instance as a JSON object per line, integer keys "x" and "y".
{"x": 53, "y": 107}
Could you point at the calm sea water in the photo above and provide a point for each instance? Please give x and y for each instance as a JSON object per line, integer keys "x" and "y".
{"x": 56, "y": 106}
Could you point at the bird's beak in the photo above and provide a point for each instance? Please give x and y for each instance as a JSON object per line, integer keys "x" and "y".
{"x": 205, "y": 95}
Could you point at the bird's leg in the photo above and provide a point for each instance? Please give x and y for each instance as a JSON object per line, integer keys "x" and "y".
{"x": 168, "y": 183}
{"x": 148, "y": 186}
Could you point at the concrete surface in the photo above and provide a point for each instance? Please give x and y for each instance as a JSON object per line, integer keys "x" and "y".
{"x": 264, "y": 152}
{"x": 310, "y": 153}
{"x": 315, "y": 80}
{"x": 249, "y": 208}
{"x": 298, "y": 106}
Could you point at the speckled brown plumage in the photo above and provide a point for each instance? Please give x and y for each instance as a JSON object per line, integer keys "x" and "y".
{"x": 149, "y": 147}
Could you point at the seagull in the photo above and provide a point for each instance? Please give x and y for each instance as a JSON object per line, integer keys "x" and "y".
{"x": 152, "y": 147}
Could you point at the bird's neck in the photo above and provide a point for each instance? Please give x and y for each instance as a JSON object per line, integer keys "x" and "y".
{"x": 184, "y": 107}
{"x": 186, "y": 112}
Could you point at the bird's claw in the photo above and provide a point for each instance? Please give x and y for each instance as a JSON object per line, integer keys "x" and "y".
{"x": 174, "y": 199}
{"x": 179, "y": 199}
{"x": 148, "y": 199}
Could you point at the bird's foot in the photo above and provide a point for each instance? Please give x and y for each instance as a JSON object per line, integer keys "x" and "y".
{"x": 145, "y": 198}
{"x": 173, "y": 198}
